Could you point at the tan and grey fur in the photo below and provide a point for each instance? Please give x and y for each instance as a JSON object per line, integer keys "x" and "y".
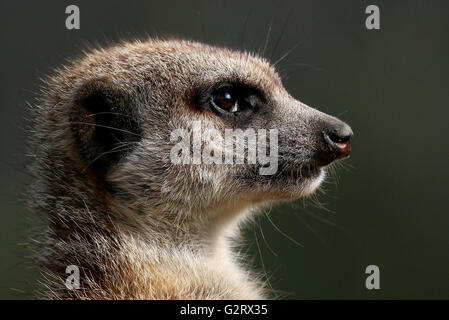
{"x": 138, "y": 226}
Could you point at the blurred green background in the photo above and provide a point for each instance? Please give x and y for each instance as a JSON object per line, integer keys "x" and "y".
{"x": 389, "y": 207}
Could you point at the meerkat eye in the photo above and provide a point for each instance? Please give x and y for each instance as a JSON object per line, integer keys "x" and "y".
{"x": 226, "y": 100}
{"x": 231, "y": 99}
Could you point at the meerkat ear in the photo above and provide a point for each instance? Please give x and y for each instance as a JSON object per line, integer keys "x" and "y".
{"x": 104, "y": 123}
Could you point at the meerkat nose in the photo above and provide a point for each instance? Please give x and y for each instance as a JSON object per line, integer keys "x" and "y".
{"x": 338, "y": 137}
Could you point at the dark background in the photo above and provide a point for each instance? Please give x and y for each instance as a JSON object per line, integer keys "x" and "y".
{"x": 391, "y": 85}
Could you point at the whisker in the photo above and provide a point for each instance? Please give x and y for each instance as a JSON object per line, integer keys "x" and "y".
{"x": 312, "y": 67}
{"x": 114, "y": 113}
{"x": 342, "y": 113}
{"x": 107, "y": 127}
{"x": 282, "y": 232}
{"x": 267, "y": 38}
{"x": 284, "y": 26}
{"x": 264, "y": 239}
{"x": 286, "y": 54}
{"x": 261, "y": 259}
{"x": 308, "y": 226}
{"x": 319, "y": 218}
{"x": 244, "y": 27}
{"x": 114, "y": 150}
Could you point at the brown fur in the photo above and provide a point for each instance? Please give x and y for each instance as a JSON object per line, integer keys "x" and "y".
{"x": 164, "y": 231}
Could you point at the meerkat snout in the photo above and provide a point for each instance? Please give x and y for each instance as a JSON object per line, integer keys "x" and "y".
{"x": 147, "y": 152}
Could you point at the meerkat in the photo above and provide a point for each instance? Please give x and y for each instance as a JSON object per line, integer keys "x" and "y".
{"x": 137, "y": 225}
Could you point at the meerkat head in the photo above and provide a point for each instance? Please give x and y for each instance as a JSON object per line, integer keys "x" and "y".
{"x": 181, "y": 126}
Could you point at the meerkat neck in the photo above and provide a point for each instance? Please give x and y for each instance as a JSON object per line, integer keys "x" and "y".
{"x": 202, "y": 230}
{"x": 124, "y": 254}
